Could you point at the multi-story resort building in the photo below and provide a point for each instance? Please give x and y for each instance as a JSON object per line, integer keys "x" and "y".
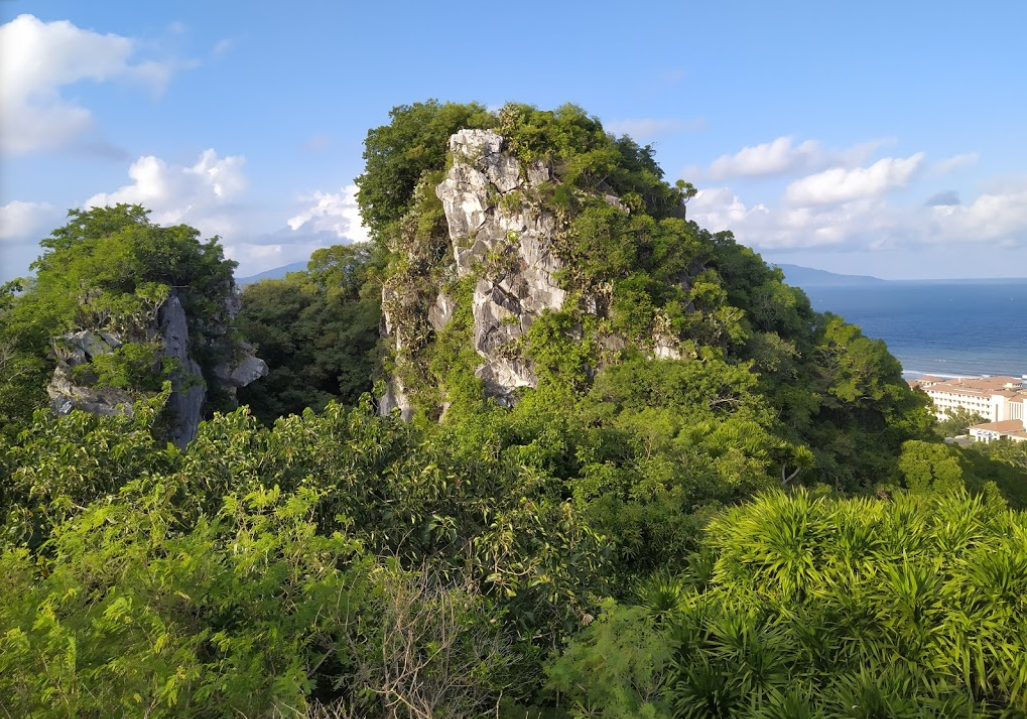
{"x": 1011, "y": 429}
{"x": 1000, "y": 400}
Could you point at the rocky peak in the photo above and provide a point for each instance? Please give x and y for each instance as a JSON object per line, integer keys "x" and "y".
{"x": 71, "y": 388}
{"x": 494, "y": 226}
{"x": 502, "y": 232}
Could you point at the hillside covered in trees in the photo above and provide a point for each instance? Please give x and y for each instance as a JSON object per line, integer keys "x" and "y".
{"x": 544, "y": 447}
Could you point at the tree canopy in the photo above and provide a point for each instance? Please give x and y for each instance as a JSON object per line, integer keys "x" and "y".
{"x": 107, "y": 269}
{"x": 766, "y": 524}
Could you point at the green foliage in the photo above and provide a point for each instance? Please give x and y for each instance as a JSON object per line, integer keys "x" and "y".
{"x": 109, "y": 269}
{"x": 21, "y": 370}
{"x": 957, "y": 422}
{"x": 1008, "y": 452}
{"x": 138, "y": 614}
{"x": 117, "y": 250}
{"x": 398, "y": 154}
{"x": 56, "y": 466}
{"x": 830, "y": 608}
{"x": 618, "y": 672}
{"x": 133, "y": 366}
{"x": 317, "y": 331}
{"x": 930, "y": 468}
{"x": 563, "y": 348}
{"x": 129, "y": 525}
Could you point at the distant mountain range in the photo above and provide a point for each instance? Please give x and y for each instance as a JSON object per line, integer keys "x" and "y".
{"x": 808, "y": 277}
{"x": 277, "y": 273}
{"x": 794, "y": 274}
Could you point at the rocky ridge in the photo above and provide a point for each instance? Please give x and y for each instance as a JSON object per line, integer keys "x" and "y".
{"x": 500, "y": 233}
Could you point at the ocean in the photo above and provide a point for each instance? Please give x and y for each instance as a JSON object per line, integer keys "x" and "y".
{"x": 939, "y": 327}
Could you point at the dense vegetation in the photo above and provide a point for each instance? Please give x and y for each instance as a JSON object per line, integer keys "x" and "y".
{"x": 767, "y": 527}
{"x": 317, "y": 330}
{"x": 110, "y": 269}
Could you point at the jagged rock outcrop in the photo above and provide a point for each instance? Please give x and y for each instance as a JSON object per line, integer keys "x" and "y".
{"x": 188, "y": 389}
{"x": 395, "y": 397}
{"x": 502, "y": 232}
{"x": 68, "y": 388}
{"x": 492, "y": 220}
{"x": 71, "y": 385}
{"x": 246, "y": 369}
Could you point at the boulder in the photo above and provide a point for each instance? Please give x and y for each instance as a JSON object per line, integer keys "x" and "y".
{"x": 245, "y": 369}
{"x": 441, "y": 312}
{"x": 67, "y": 395}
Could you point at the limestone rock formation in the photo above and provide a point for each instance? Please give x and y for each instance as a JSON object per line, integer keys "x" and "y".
{"x": 187, "y": 387}
{"x": 71, "y": 387}
{"x": 490, "y": 218}
{"x": 502, "y": 234}
{"x": 68, "y": 391}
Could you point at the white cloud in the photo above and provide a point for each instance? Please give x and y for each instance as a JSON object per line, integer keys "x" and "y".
{"x": 335, "y": 213}
{"x": 845, "y": 185}
{"x": 954, "y": 163}
{"x": 770, "y": 158}
{"x": 222, "y": 47}
{"x": 783, "y": 156}
{"x": 198, "y": 195}
{"x": 997, "y": 219}
{"x": 767, "y": 227}
{"x": 652, "y": 127}
{"x": 22, "y": 221}
{"x": 37, "y": 59}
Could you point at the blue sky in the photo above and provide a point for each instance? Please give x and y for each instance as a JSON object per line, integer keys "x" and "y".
{"x": 876, "y": 138}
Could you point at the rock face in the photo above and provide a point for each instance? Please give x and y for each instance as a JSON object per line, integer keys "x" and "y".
{"x": 492, "y": 222}
{"x": 188, "y": 389}
{"x": 70, "y": 388}
{"x": 502, "y": 232}
{"x": 497, "y": 233}
{"x": 395, "y": 398}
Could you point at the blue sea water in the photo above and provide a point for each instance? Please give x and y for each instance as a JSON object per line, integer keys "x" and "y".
{"x": 939, "y": 327}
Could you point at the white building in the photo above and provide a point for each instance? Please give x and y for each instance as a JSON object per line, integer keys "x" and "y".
{"x": 997, "y": 399}
{"x": 1011, "y": 429}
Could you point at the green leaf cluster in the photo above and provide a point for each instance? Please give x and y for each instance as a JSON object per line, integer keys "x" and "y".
{"x": 803, "y": 606}
{"x": 317, "y": 331}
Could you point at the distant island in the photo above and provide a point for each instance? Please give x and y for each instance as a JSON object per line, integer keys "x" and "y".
{"x": 809, "y": 277}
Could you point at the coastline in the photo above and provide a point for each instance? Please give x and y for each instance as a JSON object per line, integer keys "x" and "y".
{"x": 914, "y": 374}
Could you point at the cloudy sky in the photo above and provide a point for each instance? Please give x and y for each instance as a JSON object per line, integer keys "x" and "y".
{"x": 875, "y": 138}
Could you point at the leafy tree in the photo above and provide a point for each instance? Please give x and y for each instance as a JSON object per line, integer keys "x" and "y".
{"x": 957, "y": 422}
{"x": 398, "y": 154}
{"x": 1009, "y": 452}
{"x": 316, "y": 330}
{"x": 930, "y": 468}
{"x": 111, "y": 269}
